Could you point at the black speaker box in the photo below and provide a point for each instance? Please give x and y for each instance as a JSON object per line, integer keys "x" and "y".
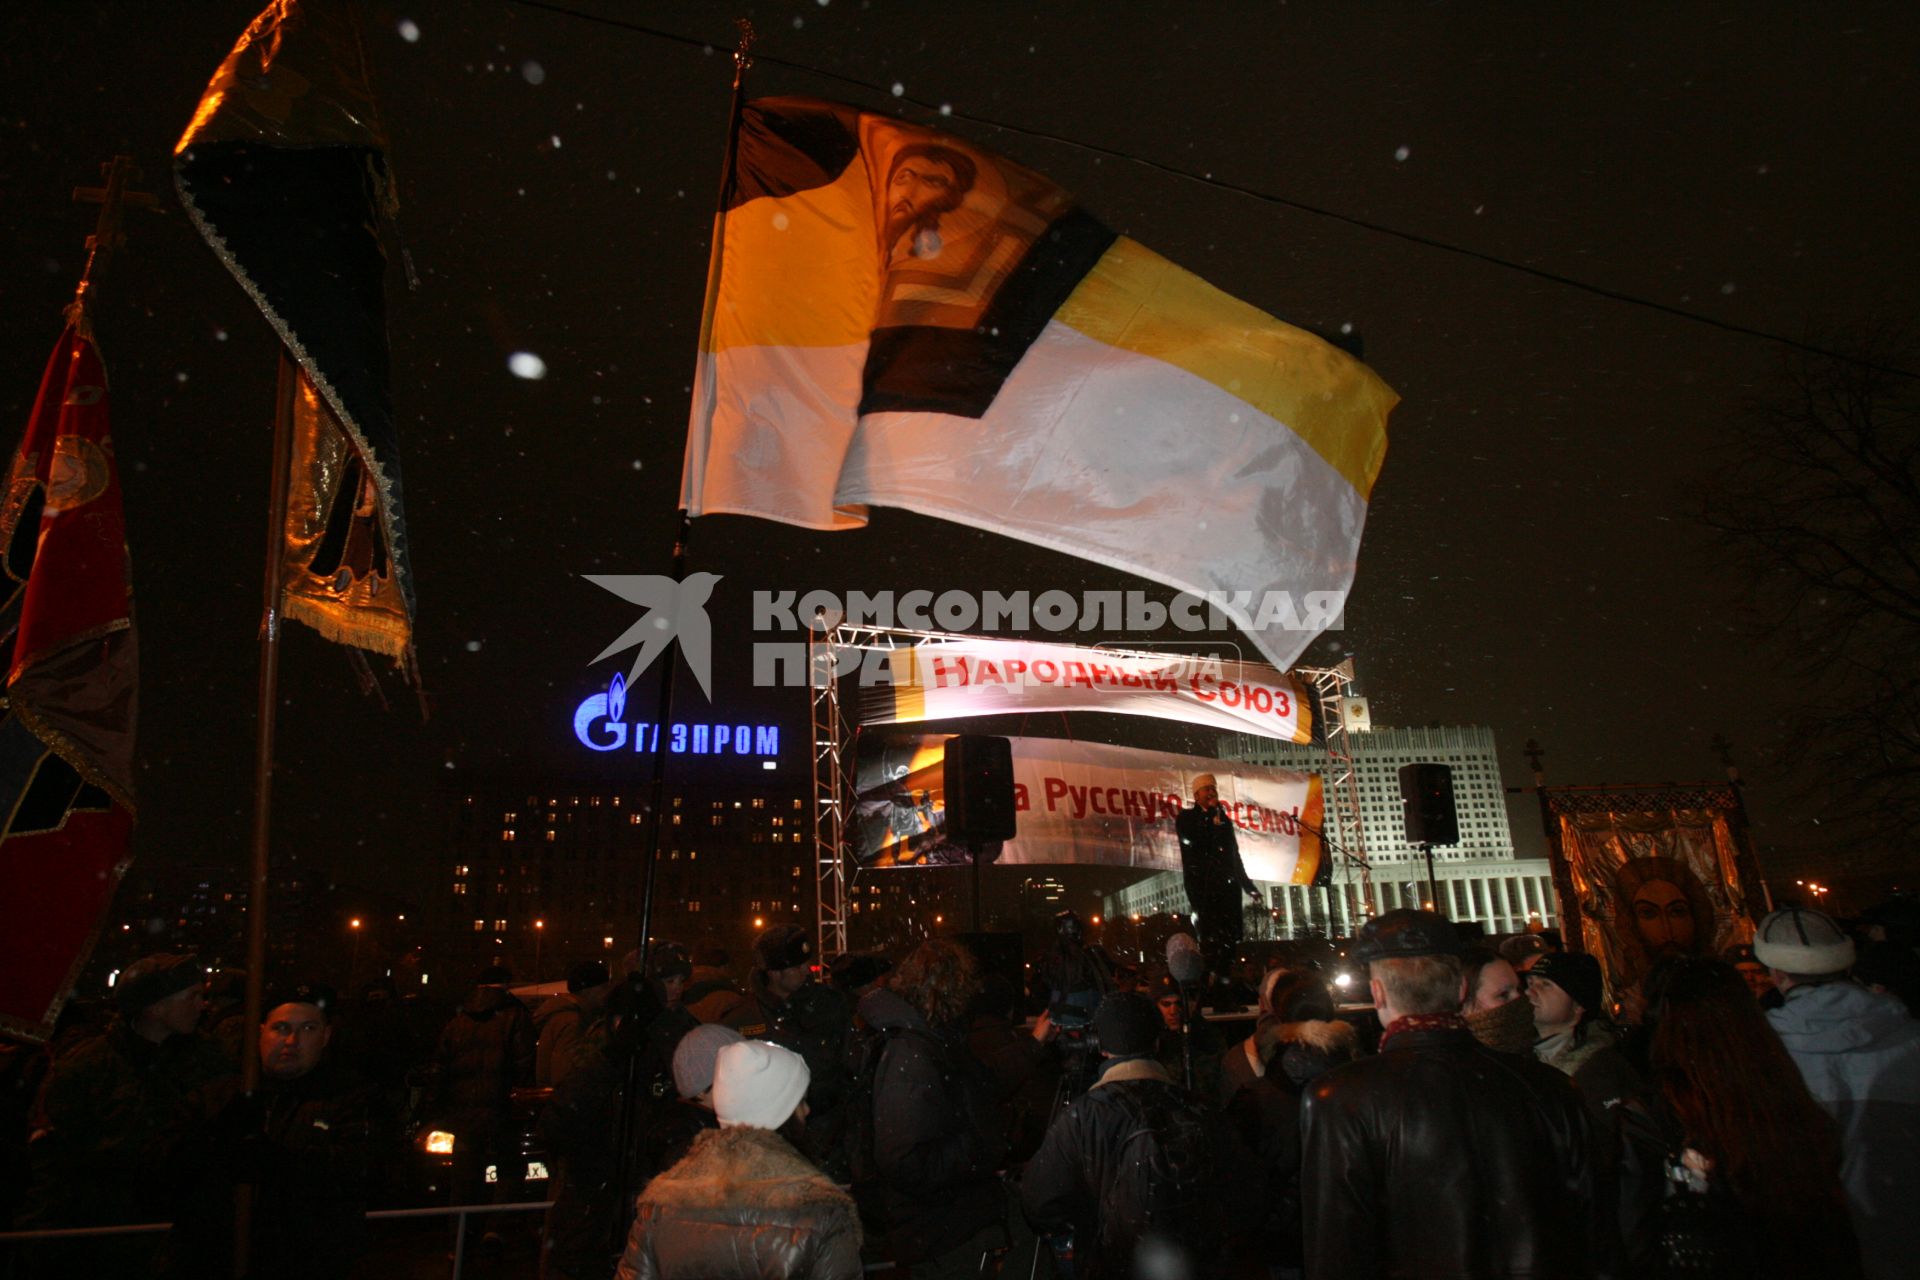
{"x": 1427, "y": 790}
{"x": 978, "y": 781}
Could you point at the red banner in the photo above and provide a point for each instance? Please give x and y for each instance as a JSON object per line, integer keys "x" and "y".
{"x": 66, "y": 735}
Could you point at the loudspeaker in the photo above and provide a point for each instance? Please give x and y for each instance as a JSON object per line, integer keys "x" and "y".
{"x": 978, "y": 782}
{"x": 1427, "y": 791}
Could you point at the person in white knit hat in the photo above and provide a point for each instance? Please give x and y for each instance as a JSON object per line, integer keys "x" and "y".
{"x": 1860, "y": 1053}
{"x": 744, "y": 1202}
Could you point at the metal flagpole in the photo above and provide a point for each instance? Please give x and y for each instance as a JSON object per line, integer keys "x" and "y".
{"x": 629, "y": 1096}
{"x": 684, "y": 534}
{"x": 266, "y": 707}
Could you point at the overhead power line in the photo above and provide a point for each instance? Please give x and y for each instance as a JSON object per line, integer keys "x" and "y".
{"x": 948, "y": 112}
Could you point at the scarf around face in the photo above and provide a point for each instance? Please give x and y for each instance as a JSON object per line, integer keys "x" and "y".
{"x": 1507, "y": 1028}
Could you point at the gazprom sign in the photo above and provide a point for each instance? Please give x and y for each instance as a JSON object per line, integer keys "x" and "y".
{"x": 599, "y": 728}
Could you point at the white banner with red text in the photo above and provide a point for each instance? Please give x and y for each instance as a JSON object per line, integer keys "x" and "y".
{"x": 1083, "y": 803}
{"x": 951, "y": 679}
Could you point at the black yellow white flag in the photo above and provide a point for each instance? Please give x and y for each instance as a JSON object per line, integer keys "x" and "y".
{"x": 898, "y": 318}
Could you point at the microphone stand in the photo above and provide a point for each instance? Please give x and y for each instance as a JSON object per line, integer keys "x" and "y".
{"x": 1186, "y": 1036}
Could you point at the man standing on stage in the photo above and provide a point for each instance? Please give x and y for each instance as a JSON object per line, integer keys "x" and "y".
{"x": 1214, "y": 875}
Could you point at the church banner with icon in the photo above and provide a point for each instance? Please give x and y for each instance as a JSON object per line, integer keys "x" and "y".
{"x": 1646, "y": 873}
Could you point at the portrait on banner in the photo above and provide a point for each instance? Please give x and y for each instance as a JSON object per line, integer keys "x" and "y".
{"x": 1653, "y": 883}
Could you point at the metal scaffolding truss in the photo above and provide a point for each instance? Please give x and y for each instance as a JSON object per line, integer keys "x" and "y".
{"x": 829, "y": 649}
{"x": 1349, "y": 837}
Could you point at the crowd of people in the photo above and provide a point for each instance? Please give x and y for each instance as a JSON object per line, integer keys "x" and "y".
{"x": 1487, "y": 1112}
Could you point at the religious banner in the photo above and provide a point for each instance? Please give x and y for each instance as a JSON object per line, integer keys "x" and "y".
{"x": 1084, "y": 803}
{"x": 953, "y": 679}
{"x": 896, "y": 317}
{"x": 1645, "y": 873}
{"x": 67, "y": 719}
{"x": 283, "y": 170}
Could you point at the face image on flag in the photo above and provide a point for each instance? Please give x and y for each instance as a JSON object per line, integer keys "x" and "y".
{"x": 898, "y": 318}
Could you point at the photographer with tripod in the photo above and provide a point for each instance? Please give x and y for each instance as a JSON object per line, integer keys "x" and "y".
{"x": 1077, "y": 978}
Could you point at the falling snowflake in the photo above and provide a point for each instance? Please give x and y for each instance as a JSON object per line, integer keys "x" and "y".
{"x": 408, "y": 31}
{"x": 525, "y": 364}
{"x": 1401, "y": 153}
{"x": 532, "y": 72}
{"x": 898, "y": 89}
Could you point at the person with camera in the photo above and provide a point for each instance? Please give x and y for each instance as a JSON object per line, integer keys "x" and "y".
{"x": 1143, "y": 1176}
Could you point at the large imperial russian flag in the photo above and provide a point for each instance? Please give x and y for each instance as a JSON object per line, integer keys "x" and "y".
{"x": 898, "y": 318}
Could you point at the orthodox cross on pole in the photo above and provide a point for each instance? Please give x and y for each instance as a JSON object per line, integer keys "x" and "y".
{"x": 108, "y": 234}
{"x": 1724, "y": 749}
{"x": 1535, "y": 752}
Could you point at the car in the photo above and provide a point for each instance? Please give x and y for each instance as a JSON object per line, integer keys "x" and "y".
{"x": 431, "y": 1148}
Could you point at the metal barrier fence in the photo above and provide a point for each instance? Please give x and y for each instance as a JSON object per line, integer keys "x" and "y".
{"x": 460, "y": 1211}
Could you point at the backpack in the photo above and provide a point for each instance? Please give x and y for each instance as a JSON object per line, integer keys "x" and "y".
{"x": 972, "y": 1095}
{"x": 1164, "y": 1195}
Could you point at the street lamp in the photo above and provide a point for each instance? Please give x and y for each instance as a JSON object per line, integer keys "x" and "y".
{"x": 353, "y": 968}
{"x": 539, "y": 936}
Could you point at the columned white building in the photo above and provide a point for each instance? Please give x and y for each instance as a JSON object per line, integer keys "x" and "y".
{"x": 1479, "y": 880}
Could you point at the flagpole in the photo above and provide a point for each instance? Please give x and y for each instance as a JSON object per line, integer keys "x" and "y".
{"x": 683, "y": 534}
{"x": 269, "y": 700}
{"x": 663, "y": 719}
{"x": 113, "y": 197}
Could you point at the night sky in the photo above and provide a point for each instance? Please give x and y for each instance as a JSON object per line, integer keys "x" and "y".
{"x": 1531, "y": 562}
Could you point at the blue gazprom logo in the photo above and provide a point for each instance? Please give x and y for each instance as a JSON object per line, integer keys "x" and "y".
{"x": 597, "y": 724}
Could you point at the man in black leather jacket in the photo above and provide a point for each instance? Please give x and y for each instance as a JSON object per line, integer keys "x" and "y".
{"x": 1438, "y": 1156}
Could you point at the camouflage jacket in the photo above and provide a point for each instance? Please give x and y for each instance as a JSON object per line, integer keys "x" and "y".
{"x": 111, "y": 1120}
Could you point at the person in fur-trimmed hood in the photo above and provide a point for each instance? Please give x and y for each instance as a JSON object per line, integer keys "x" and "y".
{"x": 744, "y": 1202}
{"x": 1296, "y": 1017}
{"x": 1300, "y": 1039}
